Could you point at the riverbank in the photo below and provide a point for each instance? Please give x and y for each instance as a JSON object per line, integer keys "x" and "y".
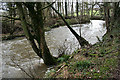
{"x": 58, "y": 40}
{"x": 98, "y": 61}
{"x": 53, "y": 23}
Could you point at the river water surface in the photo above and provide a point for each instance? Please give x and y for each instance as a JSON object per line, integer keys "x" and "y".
{"x": 17, "y": 54}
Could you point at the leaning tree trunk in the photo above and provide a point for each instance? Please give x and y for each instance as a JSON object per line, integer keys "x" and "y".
{"x": 26, "y": 30}
{"x": 80, "y": 39}
{"x": 38, "y": 28}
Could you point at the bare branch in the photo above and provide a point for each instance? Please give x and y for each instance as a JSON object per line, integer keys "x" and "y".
{"x": 21, "y": 68}
{"x": 48, "y": 6}
{"x": 15, "y": 18}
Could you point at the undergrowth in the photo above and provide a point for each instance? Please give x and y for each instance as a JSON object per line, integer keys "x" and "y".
{"x": 97, "y": 61}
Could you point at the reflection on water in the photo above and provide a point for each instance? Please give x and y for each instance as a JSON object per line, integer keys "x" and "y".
{"x": 20, "y": 51}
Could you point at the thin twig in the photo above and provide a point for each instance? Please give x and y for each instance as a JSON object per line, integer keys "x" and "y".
{"x": 56, "y": 73}
{"x": 30, "y": 62}
{"x": 48, "y": 5}
{"x": 15, "y": 18}
{"x": 21, "y": 68}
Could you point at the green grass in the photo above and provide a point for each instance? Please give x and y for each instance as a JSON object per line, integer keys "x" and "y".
{"x": 80, "y": 65}
{"x": 63, "y": 58}
{"x": 94, "y": 66}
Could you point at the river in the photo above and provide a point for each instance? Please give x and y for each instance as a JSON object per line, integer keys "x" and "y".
{"x": 17, "y": 54}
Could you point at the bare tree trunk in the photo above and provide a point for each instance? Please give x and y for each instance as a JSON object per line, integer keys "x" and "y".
{"x": 77, "y": 7}
{"x": 38, "y": 27}
{"x": 87, "y": 10}
{"x": 47, "y": 57}
{"x": 60, "y": 7}
{"x": 63, "y": 8}
{"x": 92, "y": 10}
{"x": 84, "y": 8}
{"x": 82, "y": 11}
{"x": 72, "y": 12}
{"x": 66, "y": 14}
{"x": 26, "y": 30}
{"x": 80, "y": 39}
{"x": 107, "y": 16}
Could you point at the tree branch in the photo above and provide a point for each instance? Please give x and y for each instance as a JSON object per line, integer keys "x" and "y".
{"x": 21, "y": 68}
{"x": 48, "y": 5}
{"x": 15, "y": 18}
{"x": 80, "y": 39}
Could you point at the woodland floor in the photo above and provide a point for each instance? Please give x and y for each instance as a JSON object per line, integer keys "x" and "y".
{"x": 98, "y": 61}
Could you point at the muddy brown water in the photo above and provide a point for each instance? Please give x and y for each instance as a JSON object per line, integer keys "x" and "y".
{"x": 18, "y": 52}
